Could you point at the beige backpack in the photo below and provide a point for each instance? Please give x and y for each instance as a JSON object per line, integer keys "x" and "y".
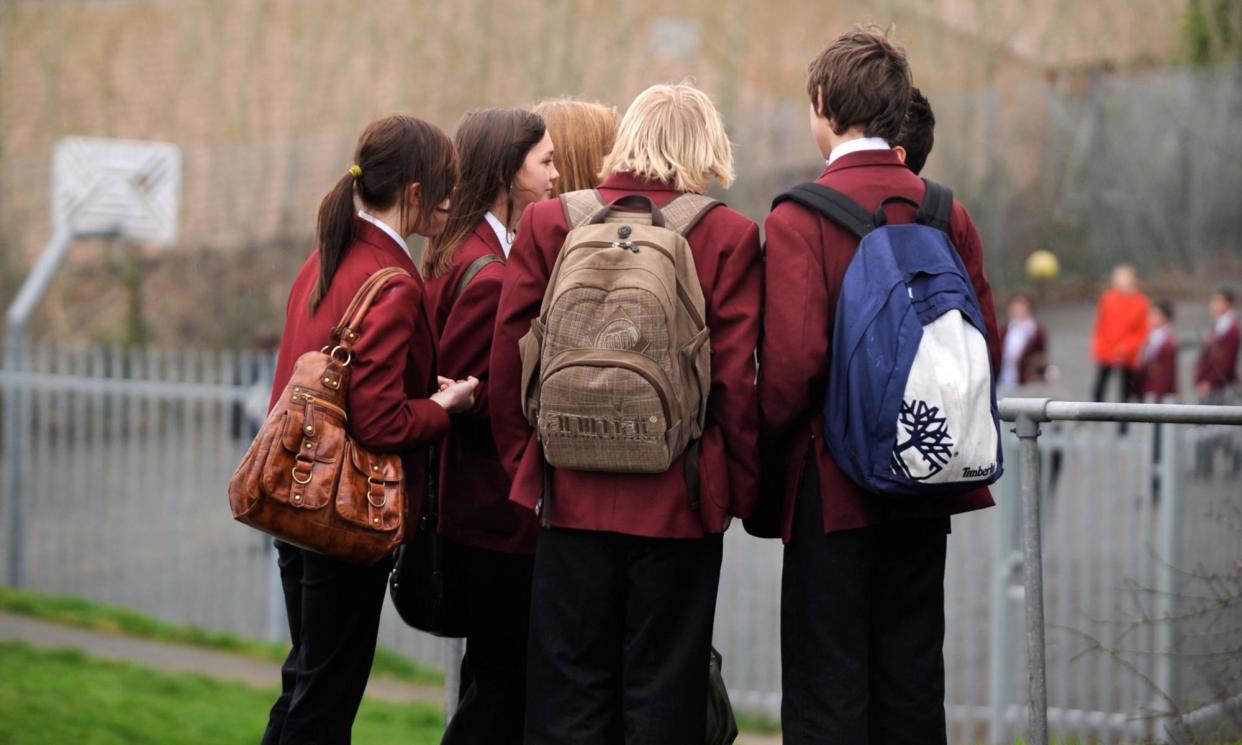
{"x": 617, "y": 367}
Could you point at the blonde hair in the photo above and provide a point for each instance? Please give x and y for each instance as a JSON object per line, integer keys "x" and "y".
{"x": 674, "y": 134}
{"x": 582, "y": 134}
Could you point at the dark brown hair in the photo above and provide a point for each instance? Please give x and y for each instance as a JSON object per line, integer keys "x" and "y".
{"x": 865, "y": 81}
{"x": 492, "y": 145}
{"x": 391, "y": 154}
{"x": 918, "y": 131}
{"x": 1165, "y": 307}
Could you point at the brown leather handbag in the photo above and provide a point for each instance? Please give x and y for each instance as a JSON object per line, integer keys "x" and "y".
{"x": 305, "y": 480}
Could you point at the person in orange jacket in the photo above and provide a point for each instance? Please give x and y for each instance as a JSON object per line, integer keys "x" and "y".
{"x": 1120, "y": 330}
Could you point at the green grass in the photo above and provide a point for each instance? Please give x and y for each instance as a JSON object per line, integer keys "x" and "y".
{"x": 112, "y": 619}
{"x": 759, "y": 725}
{"x": 63, "y": 696}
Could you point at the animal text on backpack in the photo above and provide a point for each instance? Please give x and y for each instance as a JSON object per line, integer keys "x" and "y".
{"x": 911, "y": 403}
{"x": 616, "y": 368}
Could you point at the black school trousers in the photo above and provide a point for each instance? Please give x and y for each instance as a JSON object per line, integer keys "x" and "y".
{"x": 334, "y": 612}
{"x": 862, "y": 630}
{"x": 492, "y": 588}
{"x": 621, "y": 630}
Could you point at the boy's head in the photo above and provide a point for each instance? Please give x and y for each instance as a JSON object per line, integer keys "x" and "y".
{"x": 859, "y": 84}
{"x": 673, "y": 134}
{"x": 1160, "y": 314}
{"x": 1019, "y": 308}
{"x": 1222, "y": 301}
{"x": 914, "y": 143}
{"x": 1124, "y": 279}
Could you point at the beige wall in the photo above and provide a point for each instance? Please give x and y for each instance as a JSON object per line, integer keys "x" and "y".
{"x": 266, "y": 96}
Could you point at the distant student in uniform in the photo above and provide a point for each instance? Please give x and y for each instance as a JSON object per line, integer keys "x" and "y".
{"x": 1217, "y": 369}
{"x": 507, "y": 163}
{"x": 1120, "y": 328}
{"x": 862, "y": 597}
{"x": 1156, "y": 378}
{"x": 1024, "y": 345}
{"x": 584, "y": 133}
{"x": 918, "y": 133}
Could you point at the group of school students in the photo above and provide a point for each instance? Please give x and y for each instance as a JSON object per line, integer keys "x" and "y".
{"x": 589, "y": 596}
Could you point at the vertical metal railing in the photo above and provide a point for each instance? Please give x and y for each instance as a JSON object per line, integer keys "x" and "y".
{"x": 1027, "y": 415}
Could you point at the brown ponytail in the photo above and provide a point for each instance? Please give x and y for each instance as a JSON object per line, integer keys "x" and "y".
{"x": 492, "y": 145}
{"x": 391, "y": 154}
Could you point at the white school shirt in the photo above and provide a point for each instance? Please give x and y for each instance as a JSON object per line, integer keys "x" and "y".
{"x": 857, "y": 146}
{"x": 1224, "y": 323}
{"x": 502, "y": 233}
{"x": 1155, "y": 340}
{"x": 391, "y": 233}
{"x": 1017, "y": 334}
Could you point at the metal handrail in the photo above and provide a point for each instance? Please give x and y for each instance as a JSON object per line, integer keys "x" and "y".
{"x": 1047, "y": 410}
{"x": 1027, "y": 414}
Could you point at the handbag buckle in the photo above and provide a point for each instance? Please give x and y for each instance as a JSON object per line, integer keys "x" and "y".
{"x": 374, "y": 482}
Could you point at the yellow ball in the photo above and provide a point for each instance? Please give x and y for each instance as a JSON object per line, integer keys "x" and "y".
{"x": 1042, "y": 264}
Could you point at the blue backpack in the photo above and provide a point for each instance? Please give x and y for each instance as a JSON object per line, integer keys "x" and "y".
{"x": 911, "y": 403}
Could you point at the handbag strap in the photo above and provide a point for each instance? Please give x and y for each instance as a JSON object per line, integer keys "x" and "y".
{"x": 346, "y": 333}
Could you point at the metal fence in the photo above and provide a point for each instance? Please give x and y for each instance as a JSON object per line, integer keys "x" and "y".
{"x": 115, "y": 462}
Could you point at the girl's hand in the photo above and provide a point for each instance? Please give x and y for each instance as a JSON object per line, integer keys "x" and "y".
{"x": 456, "y": 396}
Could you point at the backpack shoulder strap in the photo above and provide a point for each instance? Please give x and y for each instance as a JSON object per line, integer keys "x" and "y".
{"x": 832, "y": 204}
{"x": 472, "y": 271}
{"x": 937, "y": 208}
{"x": 684, "y": 211}
{"x": 580, "y": 205}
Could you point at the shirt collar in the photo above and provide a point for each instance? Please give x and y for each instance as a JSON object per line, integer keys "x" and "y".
{"x": 1155, "y": 340}
{"x": 856, "y": 146}
{"x": 502, "y": 233}
{"x": 388, "y": 230}
{"x": 1224, "y": 321}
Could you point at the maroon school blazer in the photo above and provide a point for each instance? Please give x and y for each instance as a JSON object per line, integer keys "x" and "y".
{"x": 394, "y": 365}
{"x": 1157, "y": 377}
{"x": 474, "y": 486}
{"x": 807, "y": 255}
{"x": 726, "y": 252}
{"x": 1218, "y": 362}
{"x": 1034, "y": 355}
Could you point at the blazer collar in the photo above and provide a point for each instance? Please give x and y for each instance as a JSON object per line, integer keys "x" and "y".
{"x": 483, "y": 231}
{"x": 864, "y": 159}
{"x": 628, "y": 181}
{"x": 368, "y": 233}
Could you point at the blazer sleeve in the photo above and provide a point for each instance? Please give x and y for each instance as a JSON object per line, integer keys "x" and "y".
{"x": 466, "y": 342}
{"x": 793, "y": 358}
{"x": 970, "y": 247}
{"x": 380, "y": 414}
{"x": 733, "y": 404}
{"x": 526, "y": 279}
